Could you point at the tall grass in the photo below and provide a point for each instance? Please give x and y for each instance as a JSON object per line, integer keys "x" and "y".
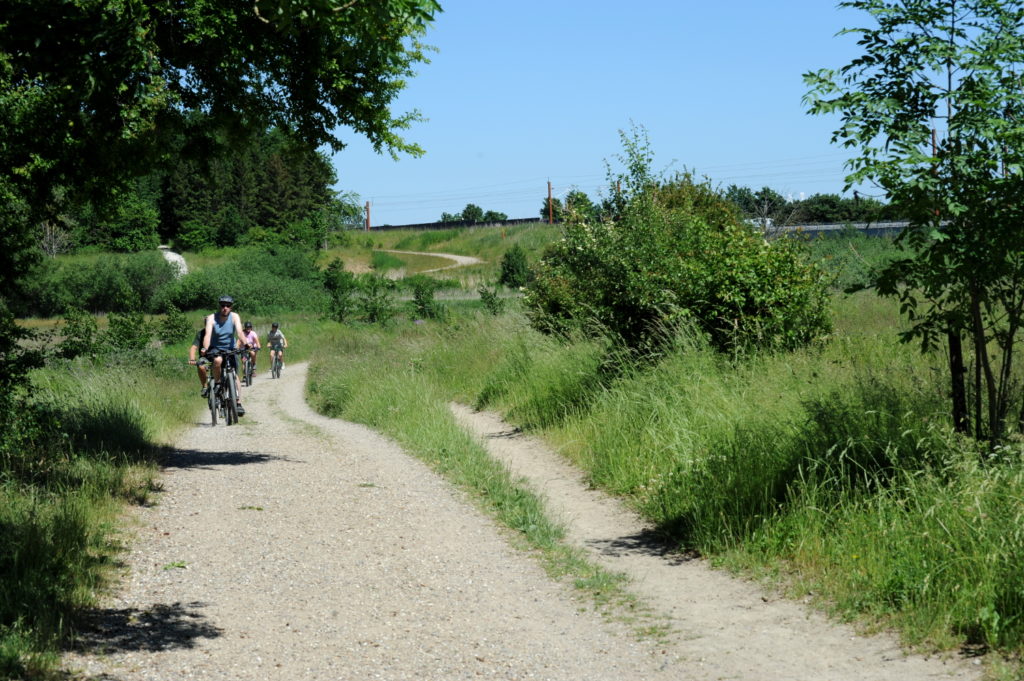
{"x": 83, "y": 442}
{"x": 833, "y": 468}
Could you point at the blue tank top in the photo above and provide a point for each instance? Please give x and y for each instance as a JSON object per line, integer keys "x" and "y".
{"x": 223, "y": 333}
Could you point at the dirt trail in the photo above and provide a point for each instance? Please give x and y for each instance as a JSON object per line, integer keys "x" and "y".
{"x": 293, "y": 546}
{"x": 730, "y": 627}
{"x": 457, "y": 260}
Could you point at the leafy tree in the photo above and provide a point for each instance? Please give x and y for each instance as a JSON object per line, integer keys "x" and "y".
{"x": 954, "y": 65}
{"x": 450, "y": 217}
{"x": 128, "y": 75}
{"x": 472, "y": 213}
{"x": 557, "y": 211}
{"x": 494, "y": 216}
{"x": 578, "y": 204}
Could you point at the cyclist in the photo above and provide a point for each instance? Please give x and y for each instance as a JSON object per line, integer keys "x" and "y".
{"x": 199, "y": 362}
{"x": 253, "y": 341}
{"x": 223, "y": 329}
{"x": 277, "y": 343}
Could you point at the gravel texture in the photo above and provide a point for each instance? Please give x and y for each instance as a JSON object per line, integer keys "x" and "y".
{"x": 293, "y": 546}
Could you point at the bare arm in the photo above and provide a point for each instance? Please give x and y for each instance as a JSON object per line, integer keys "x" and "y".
{"x": 209, "y": 333}
{"x": 237, "y": 323}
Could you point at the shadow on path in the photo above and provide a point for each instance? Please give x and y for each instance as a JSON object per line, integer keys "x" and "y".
{"x": 194, "y": 458}
{"x": 157, "y": 628}
{"x": 644, "y": 543}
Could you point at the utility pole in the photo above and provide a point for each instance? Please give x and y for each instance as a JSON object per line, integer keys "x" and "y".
{"x": 551, "y": 212}
{"x": 367, "y": 216}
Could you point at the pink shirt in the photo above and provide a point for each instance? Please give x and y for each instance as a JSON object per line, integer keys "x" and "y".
{"x": 252, "y": 339}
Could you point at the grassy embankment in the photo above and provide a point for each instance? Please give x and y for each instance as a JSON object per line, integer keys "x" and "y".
{"x": 831, "y": 470}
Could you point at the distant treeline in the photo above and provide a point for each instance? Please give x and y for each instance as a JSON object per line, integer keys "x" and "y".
{"x": 274, "y": 192}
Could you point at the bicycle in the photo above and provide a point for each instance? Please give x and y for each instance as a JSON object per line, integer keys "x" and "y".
{"x": 248, "y": 368}
{"x": 223, "y": 397}
{"x": 276, "y": 364}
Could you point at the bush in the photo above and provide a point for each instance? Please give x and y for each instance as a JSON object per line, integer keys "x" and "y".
{"x": 81, "y": 335}
{"x": 515, "y": 271}
{"x": 492, "y": 303}
{"x": 377, "y": 302}
{"x": 423, "y": 303}
{"x": 674, "y": 251}
{"x": 342, "y": 287}
{"x": 174, "y": 327}
{"x": 127, "y": 331}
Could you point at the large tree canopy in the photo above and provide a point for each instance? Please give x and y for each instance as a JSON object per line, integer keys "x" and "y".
{"x": 93, "y": 92}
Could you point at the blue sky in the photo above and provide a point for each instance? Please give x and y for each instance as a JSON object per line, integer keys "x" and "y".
{"x": 523, "y": 92}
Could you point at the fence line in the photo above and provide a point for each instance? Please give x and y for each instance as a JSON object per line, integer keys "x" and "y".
{"x": 873, "y": 228}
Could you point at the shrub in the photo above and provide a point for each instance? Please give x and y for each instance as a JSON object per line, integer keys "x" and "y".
{"x": 492, "y": 303}
{"x": 377, "y": 302}
{"x": 81, "y": 335}
{"x": 675, "y": 251}
{"x": 423, "y": 303}
{"x": 127, "y": 331}
{"x": 342, "y": 287}
{"x": 174, "y": 327}
{"x": 515, "y": 271}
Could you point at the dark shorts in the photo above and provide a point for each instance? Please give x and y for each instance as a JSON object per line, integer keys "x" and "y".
{"x": 232, "y": 359}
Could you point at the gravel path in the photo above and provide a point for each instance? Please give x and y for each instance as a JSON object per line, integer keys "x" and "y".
{"x": 294, "y": 546}
{"x": 730, "y": 627}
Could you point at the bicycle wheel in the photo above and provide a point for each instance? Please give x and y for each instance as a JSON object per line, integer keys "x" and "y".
{"x": 249, "y": 371}
{"x": 211, "y": 399}
{"x": 276, "y": 373}
{"x": 231, "y": 406}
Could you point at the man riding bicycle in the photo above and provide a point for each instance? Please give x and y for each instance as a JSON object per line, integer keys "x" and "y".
{"x": 277, "y": 343}
{"x": 223, "y": 329}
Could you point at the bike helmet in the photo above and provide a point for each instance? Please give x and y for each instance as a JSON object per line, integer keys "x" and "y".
{"x": 274, "y": 325}
{"x": 247, "y": 325}
{"x": 226, "y": 300}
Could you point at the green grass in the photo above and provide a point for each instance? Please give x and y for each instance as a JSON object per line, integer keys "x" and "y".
{"x": 65, "y": 475}
{"x": 395, "y": 388}
{"x": 831, "y": 470}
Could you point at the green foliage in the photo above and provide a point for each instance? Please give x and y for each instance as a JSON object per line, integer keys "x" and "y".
{"x": 342, "y": 287}
{"x": 106, "y": 283}
{"x": 852, "y": 258}
{"x": 376, "y": 302}
{"x": 80, "y": 334}
{"x": 423, "y": 304}
{"x": 382, "y": 261}
{"x": 961, "y": 189}
{"x": 492, "y": 303}
{"x": 195, "y": 235}
{"x": 262, "y": 281}
{"x": 174, "y": 327}
{"x": 127, "y": 331}
{"x": 472, "y": 213}
{"x": 515, "y": 270}
{"x": 675, "y": 252}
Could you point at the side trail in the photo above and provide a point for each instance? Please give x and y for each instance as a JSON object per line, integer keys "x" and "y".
{"x": 294, "y": 546}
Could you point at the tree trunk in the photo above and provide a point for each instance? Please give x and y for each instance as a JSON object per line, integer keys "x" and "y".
{"x": 957, "y": 372}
